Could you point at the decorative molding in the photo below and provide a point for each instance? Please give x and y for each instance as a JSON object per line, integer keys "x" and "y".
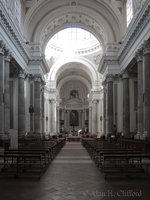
{"x": 37, "y": 78}
{"x": 142, "y": 19}
{"x": 97, "y": 59}
{"x": 146, "y": 48}
{"x": 109, "y": 78}
{"x": 2, "y": 46}
{"x": 74, "y": 17}
{"x": 22, "y": 74}
{"x": 107, "y": 60}
{"x": 12, "y": 32}
{"x": 139, "y": 56}
{"x": 7, "y": 55}
{"x": 125, "y": 74}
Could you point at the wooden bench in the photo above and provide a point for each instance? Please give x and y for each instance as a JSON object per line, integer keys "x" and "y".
{"x": 124, "y": 162}
{"x": 15, "y": 164}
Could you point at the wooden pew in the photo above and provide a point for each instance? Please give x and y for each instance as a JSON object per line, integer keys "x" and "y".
{"x": 124, "y": 163}
{"x": 15, "y": 164}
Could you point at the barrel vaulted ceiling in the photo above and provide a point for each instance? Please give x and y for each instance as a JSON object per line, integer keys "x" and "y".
{"x": 103, "y": 18}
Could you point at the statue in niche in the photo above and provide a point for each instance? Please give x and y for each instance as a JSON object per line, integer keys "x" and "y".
{"x": 74, "y": 94}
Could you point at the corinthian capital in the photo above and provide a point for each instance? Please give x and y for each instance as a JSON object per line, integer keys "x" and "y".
{"x": 2, "y": 45}
{"x": 139, "y": 56}
{"x": 37, "y": 78}
{"x": 7, "y": 54}
{"x": 125, "y": 74}
{"x": 21, "y": 74}
{"x": 146, "y": 48}
{"x": 109, "y": 78}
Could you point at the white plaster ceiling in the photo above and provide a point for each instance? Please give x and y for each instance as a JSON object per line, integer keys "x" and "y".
{"x": 103, "y": 18}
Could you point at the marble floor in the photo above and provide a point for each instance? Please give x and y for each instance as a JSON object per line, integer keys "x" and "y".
{"x": 73, "y": 175}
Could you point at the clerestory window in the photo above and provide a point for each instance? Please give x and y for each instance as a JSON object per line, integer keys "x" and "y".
{"x": 129, "y": 10}
{"x": 17, "y": 10}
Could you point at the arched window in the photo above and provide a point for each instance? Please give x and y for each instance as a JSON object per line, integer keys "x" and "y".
{"x": 129, "y": 11}
{"x": 17, "y": 11}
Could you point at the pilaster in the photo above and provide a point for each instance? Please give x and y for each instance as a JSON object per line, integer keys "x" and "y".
{"x": 21, "y": 104}
{"x": 109, "y": 79}
{"x": 126, "y": 108}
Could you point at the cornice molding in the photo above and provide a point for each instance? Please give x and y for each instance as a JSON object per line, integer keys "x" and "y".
{"x": 107, "y": 60}
{"x": 12, "y": 32}
{"x": 142, "y": 19}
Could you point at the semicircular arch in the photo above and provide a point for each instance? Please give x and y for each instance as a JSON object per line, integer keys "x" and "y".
{"x": 89, "y": 68}
{"x": 97, "y": 21}
{"x": 78, "y": 78}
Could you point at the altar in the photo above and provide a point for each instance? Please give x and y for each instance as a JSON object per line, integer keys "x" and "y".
{"x": 74, "y": 138}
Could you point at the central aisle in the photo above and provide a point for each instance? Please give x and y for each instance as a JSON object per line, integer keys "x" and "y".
{"x": 72, "y": 176}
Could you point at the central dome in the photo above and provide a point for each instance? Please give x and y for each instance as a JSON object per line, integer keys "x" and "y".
{"x": 72, "y": 40}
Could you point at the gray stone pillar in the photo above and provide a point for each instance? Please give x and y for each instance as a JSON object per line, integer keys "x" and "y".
{"x": 68, "y": 118}
{"x": 80, "y": 119}
{"x": 94, "y": 118}
{"x": 7, "y": 57}
{"x": 21, "y": 105}
{"x": 90, "y": 120}
{"x": 104, "y": 114}
{"x": 1, "y": 89}
{"x": 140, "y": 116}
{"x": 83, "y": 118}
{"x": 109, "y": 79}
{"x": 62, "y": 114}
{"x": 58, "y": 121}
{"x": 65, "y": 115}
{"x": 126, "y": 104}
{"x": 42, "y": 110}
{"x": 146, "y": 88}
{"x": 43, "y": 113}
{"x": 53, "y": 116}
{"x": 37, "y": 86}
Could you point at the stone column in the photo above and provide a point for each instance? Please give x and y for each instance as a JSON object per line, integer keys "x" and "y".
{"x": 80, "y": 120}
{"x": 109, "y": 79}
{"x": 50, "y": 115}
{"x": 7, "y": 57}
{"x": 98, "y": 117}
{"x": 139, "y": 57}
{"x": 65, "y": 118}
{"x": 146, "y": 88}
{"x": 126, "y": 104}
{"x": 68, "y": 118}
{"x": 83, "y": 119}
{"x": 104, "y": 114}
{"x": 43, "y": 113}
{"x": 37, "y": 86}
{"x": 62, "y": 114}
{"x": 94, "y": 118}
{"x": 58, "y": 121}
{"x": 42, "y": 109}
{"x": 90, "y": 120}
{"x": 1, "y": 89}
{"x": 85, "y": 115}
{"x": 21, "y": 104}
{"x": 53, "y": 116}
